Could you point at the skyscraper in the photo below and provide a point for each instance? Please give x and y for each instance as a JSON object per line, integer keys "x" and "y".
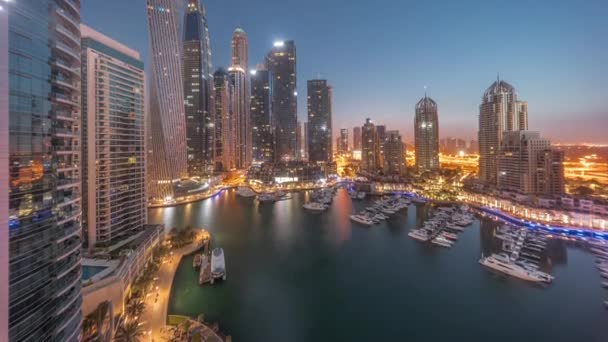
{"x": 370, "y": 153}
{"x": 261, "y": 116}
{"x": 113, "y": 141}
{"x": 224, "y": 121}
{"x": 499, "y": 111}
{"x": 394, "y": 154}
{"x": 426, "y": 135}
{"x": 342, "y": 145}
{"x": 167, "y": 160}
{"x": 518, "y": 160}
{"x": 357, "y": 138}
{"x": 299, "y": 141}
{"x": 281, "y": 62}
{"x": 41, "y": 132}
{"x": 198, "y": 91}
{"x": 550, "y": 173}
{"x": 240, "y": 79}
{"x": 381, "y": 131}
{"x": 319, "y": 121}
{"x": 306, "y": 139}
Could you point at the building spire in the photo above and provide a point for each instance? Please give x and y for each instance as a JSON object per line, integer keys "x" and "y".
{"x": 425, "y": 91}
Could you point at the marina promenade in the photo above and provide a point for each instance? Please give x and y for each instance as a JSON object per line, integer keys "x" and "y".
{"x": 155, "y": 316}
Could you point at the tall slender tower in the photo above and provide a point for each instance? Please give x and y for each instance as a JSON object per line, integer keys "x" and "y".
{"x": 281, "y": 62}
{"x": 261, "y": 116}
{"x": 240, "y": 79}
{"x": 113, "y": 155}
{"x": 167, "y": 162}
{"x": 426, "y": 135}
{"x": 319, "y": 121}
{"x": 224, "y": 120}
{"x": 499, "y": 112}
{"x": 370, "y": 154}
{"x": 41, "y": 198}
{"x": 198, "y": 89}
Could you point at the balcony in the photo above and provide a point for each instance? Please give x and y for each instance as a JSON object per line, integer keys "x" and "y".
{"x": 73, "y": 101}
{"x": 64, "y": 133}
{"x": 66, "y": 50}
{"x": 67, "y": 183}
{"x": 71, "y": 37}
{"x": 62, "y": 65}
{"x": 68, "y": 201}
{"x": 72, "y": 5}
{"x": 65, "y": 83}
{"x": 62, "y": 14}
{"x": 67, "y": 250}
{"x": 71, "y": 231}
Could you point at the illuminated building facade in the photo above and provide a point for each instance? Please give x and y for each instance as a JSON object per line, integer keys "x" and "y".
{"x": 240, "y": 80}
{"x": 319, "y": 121}
{"x": 224, "y": 121}
{"x": 370, "y": 147}
{"x": 394, "y": 154}
{"x": 261, "y": 116}
{"x": 198, "y": 91}
{"x": 281, "y": 63}
{"x": 499, "y": 111}
{"x": 426, "y": 135}
{"x": 342, "y": 145}
{"x": 167, "y": 159}
{"x": 357, "y": 138}
{"x": 518, "y": 160}
{"x": 42, "y": 205}
{"x": 113, "y": 140}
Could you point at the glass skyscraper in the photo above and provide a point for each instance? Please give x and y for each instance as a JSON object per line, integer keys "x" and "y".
{"x": 281, "y": 62}
{"x": 167, "y": 161}
{"x": 426, "y": 135}
{"x": 43, "y": 174}
{"x": 319, "y": 121}
{"x": 261, "y": 116}
{"x": 198, "y": 89}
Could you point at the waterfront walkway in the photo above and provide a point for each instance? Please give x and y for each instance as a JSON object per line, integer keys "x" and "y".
{"x": 155, "y": 316}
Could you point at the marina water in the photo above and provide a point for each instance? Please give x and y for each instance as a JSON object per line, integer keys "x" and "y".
{"x": 295, "y": 275}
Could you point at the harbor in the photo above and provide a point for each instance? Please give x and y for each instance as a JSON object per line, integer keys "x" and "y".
{"x": 443, "y": 226}
{"x": 279, "y": 254}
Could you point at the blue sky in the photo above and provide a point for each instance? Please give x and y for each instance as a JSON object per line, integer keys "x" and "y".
{"x": 378, "y": 55}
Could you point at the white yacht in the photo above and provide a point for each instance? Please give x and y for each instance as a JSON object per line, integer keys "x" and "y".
{"x": 441, "y": 243}
{"x": 315, "y": 206}
{"x": 218, "y": 265}
{"x": 419, "y": 234}
{"x": 503, "y": 264}
{"x": 361, "y": 195}
{"x": 361, "y": 219}
{"x": 245, "y": 191}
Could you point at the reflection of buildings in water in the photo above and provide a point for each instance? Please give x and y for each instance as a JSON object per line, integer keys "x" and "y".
{"x": 422, "y": 212}
{"x": 556, "y": 253}
{"x": 487, "y": 231}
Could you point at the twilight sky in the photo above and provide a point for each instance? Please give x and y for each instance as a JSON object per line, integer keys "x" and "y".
{"x": 378, "y": 55}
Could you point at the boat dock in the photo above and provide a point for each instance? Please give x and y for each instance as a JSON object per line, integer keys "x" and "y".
{"x": 443, "y": 227}
{"x": 204, "y": 275}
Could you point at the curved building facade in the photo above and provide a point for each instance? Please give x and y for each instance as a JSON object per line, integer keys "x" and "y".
{"x": 198, "y": 91}
{"x": 239, "y": 65}
{"x": 426, "y": 135}
{"x": 499, "y": 112}
{"x": 167, "y": 161}
{"x": 44, "y": 200}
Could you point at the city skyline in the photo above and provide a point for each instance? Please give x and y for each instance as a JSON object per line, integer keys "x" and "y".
{"x": 456, "y": 83}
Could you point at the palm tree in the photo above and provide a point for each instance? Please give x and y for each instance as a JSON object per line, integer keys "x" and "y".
{"x": 129, "y": 332}
{"x": 135, "y": 308}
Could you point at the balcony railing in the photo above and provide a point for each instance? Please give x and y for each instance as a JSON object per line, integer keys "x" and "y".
{"x": 68, "y": 18}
